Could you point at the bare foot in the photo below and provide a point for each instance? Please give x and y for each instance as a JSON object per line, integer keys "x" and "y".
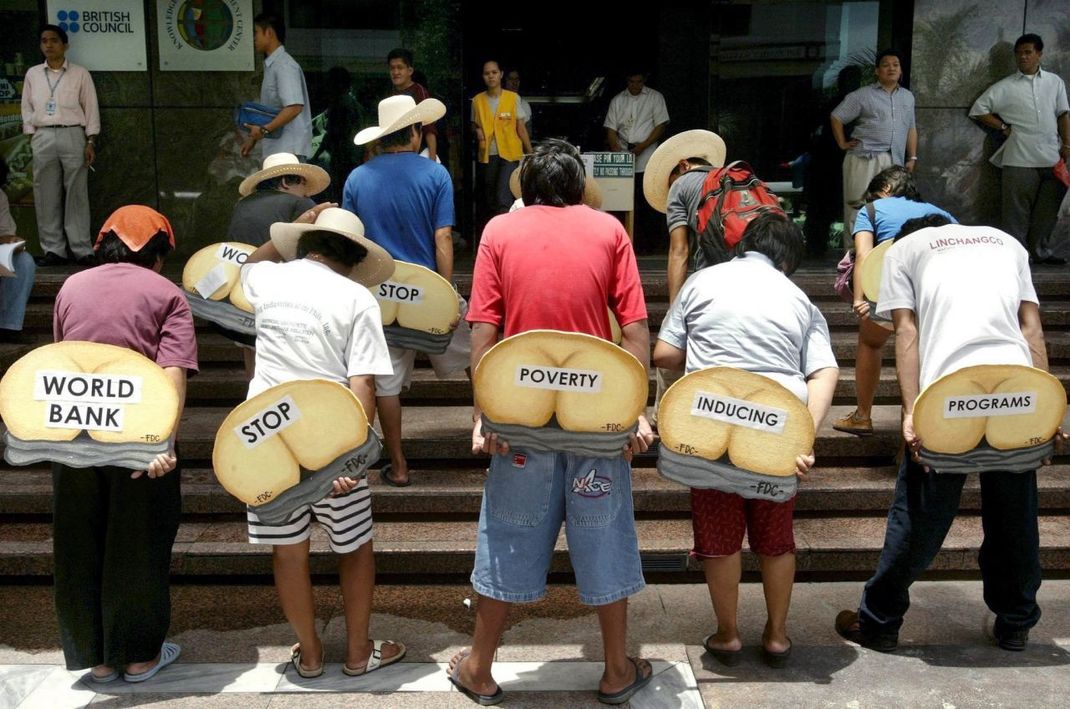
{"x": 637, "y": 668}
{"x": 102, "y": 671}
{"x": 309, "y": 651}
{"x": 390, "y": 649}
{"x": 136, "y": 668}
{"x": 725, "y": 641}
{"x": 775, "y": 642}
{"x": 486, "y": 686}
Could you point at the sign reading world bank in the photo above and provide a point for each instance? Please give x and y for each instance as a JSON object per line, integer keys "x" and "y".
{"x": 205, "y": 35}
{"x": 105, "y": 35}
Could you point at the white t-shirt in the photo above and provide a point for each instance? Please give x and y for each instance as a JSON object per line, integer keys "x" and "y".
{"x": 635, "y": 117}
{"x": 965, "y": 285}
{"x": 312, "y": 323}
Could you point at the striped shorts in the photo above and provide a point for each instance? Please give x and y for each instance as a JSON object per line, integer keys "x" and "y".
{"x": 346, "y": 519}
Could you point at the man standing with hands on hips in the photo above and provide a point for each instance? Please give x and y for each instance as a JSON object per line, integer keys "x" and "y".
{"x": 1029, "y": 107}
{"x": 60, "y": 112}
{"x": 884, "y": 132}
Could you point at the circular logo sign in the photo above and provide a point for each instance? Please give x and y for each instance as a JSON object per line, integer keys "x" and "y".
{"x": 205, "y": 24}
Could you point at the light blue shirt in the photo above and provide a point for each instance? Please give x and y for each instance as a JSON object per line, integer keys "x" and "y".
{"x": 891, "y": 214}
{"x": 882, "y": 120}
{"x": 284, "y": 85}
{"x": 1030, "y": 105}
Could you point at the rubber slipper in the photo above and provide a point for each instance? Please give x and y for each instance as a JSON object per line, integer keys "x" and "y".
{"x": 169, "y": 652}
{"x": 295, "y": 658}
{"x": 375, "y": 660}
{"x": 777, "y": 660}
{"x": 729, "y": 658}
{"x": 483, "y": 700}
{"x": 104, "y": 679}
{"x": 626, "y": 693}
{"x": 384, "y": 475}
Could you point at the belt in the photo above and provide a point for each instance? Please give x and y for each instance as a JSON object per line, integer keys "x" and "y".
{"x": 73, "y": 125}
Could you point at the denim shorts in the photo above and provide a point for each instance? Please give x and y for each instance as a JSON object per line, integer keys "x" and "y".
{"x": 526, "y": 497}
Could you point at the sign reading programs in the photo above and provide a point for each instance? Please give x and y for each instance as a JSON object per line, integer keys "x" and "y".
{"x": 105, "y": 35}
{"x": 206, "y": 35}
{"x": 94, "y": 402}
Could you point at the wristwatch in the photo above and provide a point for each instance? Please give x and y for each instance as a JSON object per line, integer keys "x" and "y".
{"x": 265, "y": 131}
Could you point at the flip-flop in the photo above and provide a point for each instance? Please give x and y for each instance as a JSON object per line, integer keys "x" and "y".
{"x": 375, "y": 660}
{"x": 295, "y": 658}
{"x": 777, "y": 660}
{"x": 104, "y": 679}
{"x": 169, "y": 652}
{"x": 483, "y": 700}
{"x": 384, "y": 475}
{"x": 729, "y": 658}
{"x": 626, "y": 693}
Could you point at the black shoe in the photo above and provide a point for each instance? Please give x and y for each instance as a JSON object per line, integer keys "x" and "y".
{"x": 14, "y": 337}
{"x": 849, "y": 628}
{"x": 1014, "y": 640}
{"x": 87, "y": 261}
{"x": 50, "y": 259}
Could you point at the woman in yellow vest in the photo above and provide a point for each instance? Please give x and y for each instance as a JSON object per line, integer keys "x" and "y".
{"x": 502, "y": 137}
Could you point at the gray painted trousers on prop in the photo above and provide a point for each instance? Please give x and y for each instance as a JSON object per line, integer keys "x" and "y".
{"x": 60, "y": 190}
{"x": 1031, "y": 197}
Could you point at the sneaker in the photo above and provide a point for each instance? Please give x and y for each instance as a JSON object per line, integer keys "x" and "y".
{"x": 853, "y": 423}
{"x": 1014, "y": 640}
{"x": 849, "y": 628}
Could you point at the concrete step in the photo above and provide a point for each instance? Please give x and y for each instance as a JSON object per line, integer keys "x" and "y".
{"x": 837, "y": 547}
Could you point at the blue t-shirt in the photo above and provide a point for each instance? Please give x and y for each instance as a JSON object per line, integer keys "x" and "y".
{"x": 402, "y": 199}
{"x": 892, "y": 213}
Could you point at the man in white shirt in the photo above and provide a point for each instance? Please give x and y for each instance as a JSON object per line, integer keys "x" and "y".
{"x": 1030, "y": 108}
{"x": 283, "y": 88}
{"x": 635, "y": 122}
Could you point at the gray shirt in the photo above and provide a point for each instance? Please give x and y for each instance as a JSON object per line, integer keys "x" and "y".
{"x": 251, "y": 220}
{"x": 747, "y": 314}
{"x": 882, "y": 120}
{"x": 1030, "y": 105}
{"x": 284, "y": 85}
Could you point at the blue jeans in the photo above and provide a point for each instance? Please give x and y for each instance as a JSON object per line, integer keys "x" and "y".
{"x": 15, "y": 291}
{"x": 925, "y": 505}
{"x": 526, "y": 497}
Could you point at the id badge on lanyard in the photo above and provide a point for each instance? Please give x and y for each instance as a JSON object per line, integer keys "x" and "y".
{"x": 50, "y": 105}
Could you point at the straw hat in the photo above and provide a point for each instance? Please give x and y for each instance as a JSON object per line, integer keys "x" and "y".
{"x": 689, "y": 144}
{"x": 396, "y": 112}
{"x": 280, "y": 164}
{"x": 376, "y": 267}
{"x": 592, "y": 193}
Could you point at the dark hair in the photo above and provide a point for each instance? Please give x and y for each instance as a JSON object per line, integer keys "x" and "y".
{"x": 3, "y": 172}
{"x": 635, "y": 70}
{"x": 112, "y": 250}
{"x": 266, "y": 19}
{"x": 777, "y": 237}
{"x": 887, "y": 53}
{"x": 330, "y": 245}
{"x": 495, "y": 62}
{"x": 929, "y": 220}
{"x": 552, "y": 175}
{"x": 1030, "y": 38}
{"x": 896, "y": 180}
{"x": 277, "y": 183}
{"x": 401, "y": 53}
{"x": 398, "y": 138}
{"x": 62, "y": 33}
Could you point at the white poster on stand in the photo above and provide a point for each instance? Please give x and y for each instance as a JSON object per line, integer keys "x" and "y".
{"x": 104, "y": 35}
{"x": 205, "y": 35}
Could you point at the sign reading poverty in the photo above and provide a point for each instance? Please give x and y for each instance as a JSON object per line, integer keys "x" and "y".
{"x": 87, "y": 404}
{"x": 285, "y": 447}
{"x": 212, "y": 284}
{"x": 419, "y": 308}
{"x": 561, "y": 391}
{"x": 105, "y": 35}
{"x": 735, "y": 431}
{"x": 989, "y": 417}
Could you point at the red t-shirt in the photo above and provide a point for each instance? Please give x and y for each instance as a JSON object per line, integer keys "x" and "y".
{"x": 555, "y": 268}
{"x": 130, "y": 306}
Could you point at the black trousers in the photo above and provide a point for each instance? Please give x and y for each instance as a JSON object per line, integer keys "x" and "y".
{"x": 112, "y": 542}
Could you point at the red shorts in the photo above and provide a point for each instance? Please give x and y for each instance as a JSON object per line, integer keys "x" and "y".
{"x": 719, "y": 519}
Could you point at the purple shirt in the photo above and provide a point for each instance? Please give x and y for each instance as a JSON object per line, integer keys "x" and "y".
{"x": 129, "y": 306}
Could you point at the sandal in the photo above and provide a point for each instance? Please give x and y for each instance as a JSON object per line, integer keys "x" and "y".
{"x": 625, "y": 694}
{"x": 169, "y": 652}
{"x": 375, "y": 659}
{"x": 295, "y": 659}
{"x": 777, "y": 660}
{"x": 384, "y": 475}
{"x": 728, "y": 658}
{"x": 483, "y": 700}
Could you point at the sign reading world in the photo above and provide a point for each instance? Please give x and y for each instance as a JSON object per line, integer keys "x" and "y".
{"x": 105, "y": 35}
{"x": 205, "y": 35}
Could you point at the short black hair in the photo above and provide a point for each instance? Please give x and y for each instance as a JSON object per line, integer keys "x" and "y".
{"x": 266, "y": 19}
{"x": 62, "y": 33}
{"x": 552, "y": 175}
{"x": 401, "y": 53}
{"x": 112, "y": 250}
{"x": 330, "y": 245}
{"x": 778, "y": 238}
{"x": 1030, "y": 38}
{"x": 276, "y": 183}
{"x": 398, "y": 138}
{"x": 929, "y": 220}
{"x": 896, "y": 180}
{"x": 887, "y": 53}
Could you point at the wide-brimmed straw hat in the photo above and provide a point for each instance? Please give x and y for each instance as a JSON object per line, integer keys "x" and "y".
{"x": 280, "y": 164}
{"x": 376, "y": 267}
{"x": 592, "y": 193}
{"x": 689, "y": 144}
{"x": 396, "y": 112}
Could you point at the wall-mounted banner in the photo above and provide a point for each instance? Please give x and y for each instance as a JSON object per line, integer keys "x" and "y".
{"x": 205, "y": 35}
{"x": 105, "y": 35}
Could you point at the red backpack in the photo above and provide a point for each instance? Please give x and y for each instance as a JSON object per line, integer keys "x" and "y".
{"x": 732, "y": 197}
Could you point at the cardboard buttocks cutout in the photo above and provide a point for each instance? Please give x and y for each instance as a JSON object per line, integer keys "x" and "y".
{"x": 561, "y": 391}
{"x": 309, "y": 426}
{"x": 419, "y": 308}
{"x": 212, "y": 283}
{"x": 727, "y": 429}
{"x": 86, "y": 404}
{"x": 870, "y": 273}
{"x": 989, "y": 417}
